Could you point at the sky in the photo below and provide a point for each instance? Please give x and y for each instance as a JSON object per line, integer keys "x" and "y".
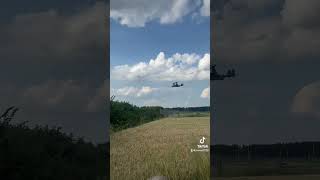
{"x": 53, "y": 64}
{"x": 274, "y": 47}
{"x": 155, "y": 44}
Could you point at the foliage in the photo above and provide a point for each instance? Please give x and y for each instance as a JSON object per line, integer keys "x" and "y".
{"x": 47, "y": 153}
{"x": 124, "y": 115}
{"x": 190, "y": 109}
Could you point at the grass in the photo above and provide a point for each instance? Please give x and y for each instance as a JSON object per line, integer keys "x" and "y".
{"x": 161, "y": 147}
{"x": 269, "y": 168}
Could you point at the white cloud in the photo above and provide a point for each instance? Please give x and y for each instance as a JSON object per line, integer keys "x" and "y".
{"x": 133, "y": 91}
{"x": 205, "y": 93}
{"x": 178, "y": 9}
{"x": 307, "y": 100}
{"x": 70, "y": 36}
{"x": 179, "y": 67}
{"x": 204, "y": 63}
{"x": 302, "y": 43}
{"x": 291, "y": 35}
{"x": 297, "y": 12}
{"x": 97, "y": 102}
{"x": 66, "y": 95}
{"x": 139, "y": 12}
{"x": 205, "y": 9}
{"x": 145, "y": 90}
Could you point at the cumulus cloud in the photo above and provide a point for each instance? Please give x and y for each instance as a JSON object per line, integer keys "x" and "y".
{"x": 307, "y": 100}
{"x": 301, "y": 13}
{"x": 268, "y": 30}
{"x": 53, "y": 65}
{"x": 302, "y": 43}
{"x": 204, "y": 63}
{"x": 133, "y": 91}
{"x": 205, "y": 93}
{"x": 248, "y": 42}
{"x": 52, "y": 96}
{"x": 53, "y": 36}
{"x": 301, "y": 18}
{"x": 50, "y": 43}
{"x": 205, "y": 9}
{"x": 182, "y": 67}
{"x": 98, "y": 101}
{"x": 139, "y": 12}
{"x": 64, "y": 95}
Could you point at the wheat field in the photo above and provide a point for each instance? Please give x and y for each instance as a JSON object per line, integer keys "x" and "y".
{"x": 161, "y": 148}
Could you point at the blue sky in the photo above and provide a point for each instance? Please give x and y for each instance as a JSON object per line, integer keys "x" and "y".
{"x": 178, "y": 46}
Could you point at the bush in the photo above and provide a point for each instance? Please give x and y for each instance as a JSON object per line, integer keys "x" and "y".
{"x": 47, "y": 153}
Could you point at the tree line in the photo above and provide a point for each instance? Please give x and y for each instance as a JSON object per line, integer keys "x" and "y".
{"x": 190, "y": 109}
{"x": 295, "y": 150}
{"x": 125, "y": 115}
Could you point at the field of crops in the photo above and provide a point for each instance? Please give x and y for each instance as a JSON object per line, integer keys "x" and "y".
{"x": 161, "y": 148}
{"x": 294, "y": 177}
{"x": 269, "y": 170}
